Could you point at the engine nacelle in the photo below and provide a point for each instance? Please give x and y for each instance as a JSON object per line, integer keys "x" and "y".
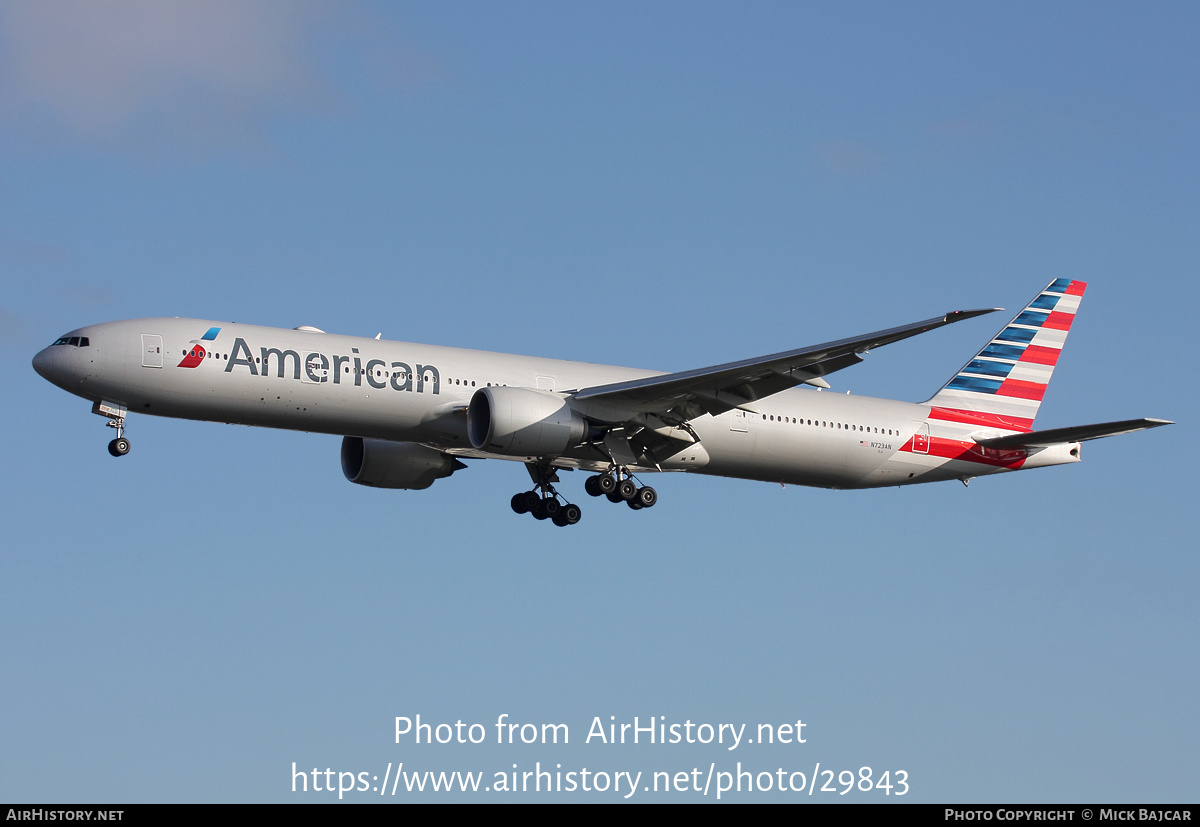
{"x": 383, "y": 464}
{"x": 523, "y": 422}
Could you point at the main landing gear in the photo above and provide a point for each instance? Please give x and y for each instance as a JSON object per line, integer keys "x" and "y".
{"x": 545, "y": 506}
{"x": 618, "y": 486}
{"x": 542, "y": 502}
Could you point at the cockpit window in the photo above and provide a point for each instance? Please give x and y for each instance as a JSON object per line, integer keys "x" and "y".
{"x": 74, "y": 341}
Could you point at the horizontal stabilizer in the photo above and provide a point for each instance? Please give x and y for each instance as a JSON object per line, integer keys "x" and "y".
{"x": 1079, "y": 433}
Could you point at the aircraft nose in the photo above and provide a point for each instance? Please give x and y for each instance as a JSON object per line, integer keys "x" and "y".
{"x": 43, "y": 363}
{"x": 54, "y": 367}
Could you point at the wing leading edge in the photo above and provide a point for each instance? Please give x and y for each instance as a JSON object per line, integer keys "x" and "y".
{"x": 714, "y": 390}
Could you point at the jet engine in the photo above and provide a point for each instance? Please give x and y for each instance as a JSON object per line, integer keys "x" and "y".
{"x": 523, "y": 422}
{"x": 383, "y": 464}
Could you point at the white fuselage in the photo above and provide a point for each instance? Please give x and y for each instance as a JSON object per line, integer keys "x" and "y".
{"x": 313, "y": 381}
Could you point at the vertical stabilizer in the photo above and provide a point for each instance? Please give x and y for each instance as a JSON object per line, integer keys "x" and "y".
{"x": 1002, "y": 387}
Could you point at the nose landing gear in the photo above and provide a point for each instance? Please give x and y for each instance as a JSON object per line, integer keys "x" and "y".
{"x": 119, "y": 447}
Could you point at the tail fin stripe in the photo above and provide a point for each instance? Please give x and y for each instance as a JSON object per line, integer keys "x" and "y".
{"x": 1060, "y": 321}
{"x": 988, "y": 420}
{"x": 1032, "y": 318}
{"x": 1017, "y": 334}
{"x": 998, "y": 407}
{"x": 1049, "y": 337}
{"x": 1031, "y": 372}
{"x": 1022, "y": 390}
{"x": 1011, "y": 352}
{"x": 1042, "y": 355}
{"x": 974, "y": 383}
{"x": 989, "y": 367}
{"x": 1046, "y": 301}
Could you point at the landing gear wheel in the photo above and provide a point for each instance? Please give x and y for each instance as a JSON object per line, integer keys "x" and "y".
{"x": 539, "y": 510}
{"x": 518, "y": 503}
{"x": 119, "y": 447}
{"x": 530, "y": 500}
{"x": 592, "y": 485}
{"x": 607, "y": 483}
{"x": 551, "y": 507}
{"x": 613, "y": 497}
{"x": 627, "y": 489}
{"x": 568, "y": 515}
{"x": 635, "y": 504}
{"x": 646, "y": 496}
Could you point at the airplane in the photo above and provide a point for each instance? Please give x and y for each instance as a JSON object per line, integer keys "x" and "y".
{"x": 409, "y": 414}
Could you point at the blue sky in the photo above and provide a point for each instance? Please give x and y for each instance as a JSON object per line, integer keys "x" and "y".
{"x": 659, "y": 185}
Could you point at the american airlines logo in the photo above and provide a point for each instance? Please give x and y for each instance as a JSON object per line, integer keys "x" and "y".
{"x": 196, "y": 355}
{"x": 314, "y": 367}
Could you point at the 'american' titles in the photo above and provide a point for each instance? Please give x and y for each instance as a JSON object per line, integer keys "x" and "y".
{"x": 316, "y": 367}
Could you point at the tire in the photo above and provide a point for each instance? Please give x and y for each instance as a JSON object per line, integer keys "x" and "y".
{"x": 627, "y": 489}
{"x": 571, "y": 513}
{"x": 592, "y": 486}
{"x": 647, "y": 496}
{"x": 530, "y": 499}
{"x": 518, "y": 503}
{"x": 119, "y": 447}
{"x": 607, "y": 483}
